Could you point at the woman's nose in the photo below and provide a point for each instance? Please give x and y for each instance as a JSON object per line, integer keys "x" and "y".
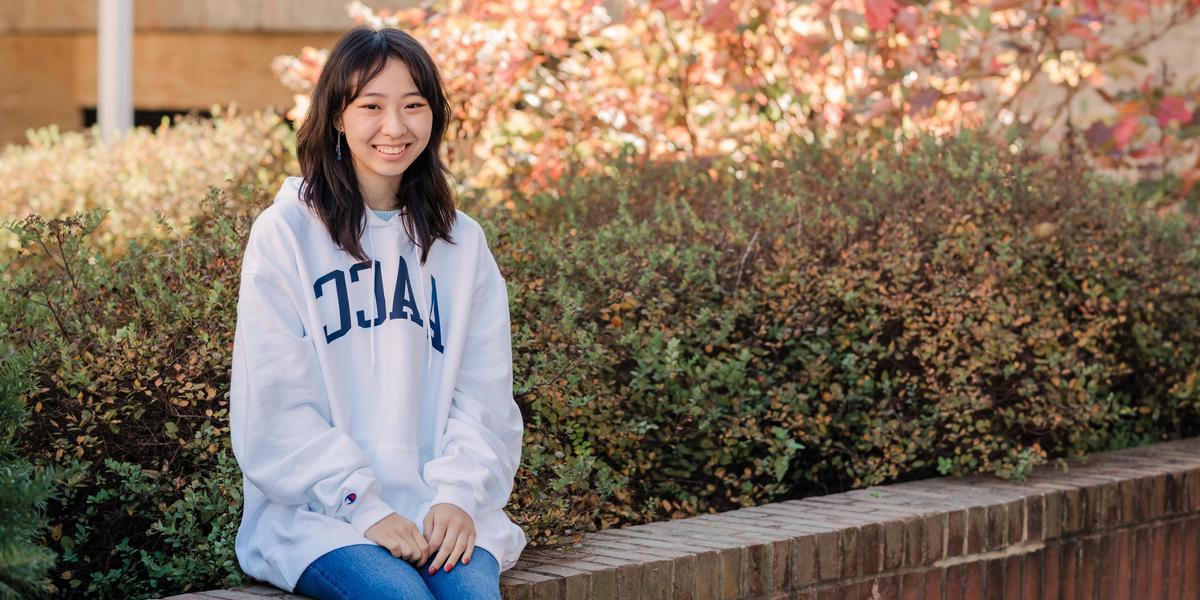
{"x": 394, "y": 125}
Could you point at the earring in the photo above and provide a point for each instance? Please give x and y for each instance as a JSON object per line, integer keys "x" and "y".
{"x": 339, "y": 145}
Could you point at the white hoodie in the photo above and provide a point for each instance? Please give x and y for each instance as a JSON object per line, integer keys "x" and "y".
{"x": 359, "y": 390}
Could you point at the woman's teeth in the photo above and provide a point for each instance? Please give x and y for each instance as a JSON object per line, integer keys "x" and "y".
{"x": 391, "y": 149}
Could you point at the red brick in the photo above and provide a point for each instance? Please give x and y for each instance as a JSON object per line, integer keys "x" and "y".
{"x": 885, "y": 586}
{"x": 953, "y": 589}
{"x": 1124, "y": 552}
{"x": 1128, "y": 490}
{"x": 933, "y": 584}
{"x": 1051, "y": 568}
{"x": 1016, "y": 521}
{"x": 656, "y": 580}
{"x": 1052, "y": 515}
{"x": 758, "y": 569}
{"x": 1141, "y": 559}
{"x": 1158, "y": 496}
{"x": 935, "y": 537}
{"x": 870, "y": 549}
{"x": 850, "y": 552}
{"x": 1073, "y": 510}
{"x": 1158, "y": 559}
{"x": 629, "y": 581}
{"x": 685, "y": 578}
{"x": 1069, "y": 579}
{"x": 781, "y": 564}
{"x": 1089, "y": 553}
{"x": 1031, "y": 573}
{"x": 1013, "y": 581}
{"x": 997, "y": 526}
{"x": 1176, "y": 492}
{"x": 831, "y": 593}
{"x": 912, "y": 586}
{"x": 993, "y": 571}
{"x": 956, "y": 533}
{"x": 1191, "y": 556}
{"x": 829, "y": 556}
{"x": 803, "y": 570}
{"x": 1112, "y": 504}
{"x": 1143, "y": 502}
{"x": 1174, "y": 561}
{"x": 893, "y": 545}
{"x": 914, "y": 542}
{"x": 974, "y": 578}
{"x": 1034, "y": 508}
{"x": 1192, "y": 478}
{"x": 977, "y": 529}
{"x": 708, "y": 572}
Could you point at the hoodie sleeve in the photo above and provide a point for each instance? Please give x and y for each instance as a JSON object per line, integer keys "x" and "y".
{"x": 481, "y": 447}
{"x": 279, "y": 411}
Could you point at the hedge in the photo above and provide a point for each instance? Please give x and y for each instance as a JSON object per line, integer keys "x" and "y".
{"x": 687, "y": 338}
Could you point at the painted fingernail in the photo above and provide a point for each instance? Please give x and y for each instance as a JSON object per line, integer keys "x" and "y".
{"x": 431, "y": 570}
{"x": 447, "y": 568}
{"x": 466, "y": 560}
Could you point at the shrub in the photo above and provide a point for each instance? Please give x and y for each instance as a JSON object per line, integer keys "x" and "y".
{"x": 146, "y": 178}
{"x": 687, "y": 338}
{"x": 24, "y": 490}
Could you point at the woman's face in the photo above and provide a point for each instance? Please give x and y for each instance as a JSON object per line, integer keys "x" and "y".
{"x": 387, "y": 127}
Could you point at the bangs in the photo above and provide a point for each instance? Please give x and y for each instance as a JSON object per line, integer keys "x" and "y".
{"x": 367, "y": 68}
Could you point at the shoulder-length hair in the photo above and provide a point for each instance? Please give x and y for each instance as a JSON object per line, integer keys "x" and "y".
{"x": 330, "y": 187}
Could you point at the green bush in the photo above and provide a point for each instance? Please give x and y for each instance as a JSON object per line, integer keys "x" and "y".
{"x": 24, "y": 490}
{"x": 687, "y": 338}
{"x": 148, "y": 178}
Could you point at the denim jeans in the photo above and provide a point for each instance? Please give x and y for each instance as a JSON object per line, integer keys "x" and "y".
{"x": 368, "y": 571}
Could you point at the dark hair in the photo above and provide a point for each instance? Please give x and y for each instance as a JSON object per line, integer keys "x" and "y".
{"x": 330, "y": 187}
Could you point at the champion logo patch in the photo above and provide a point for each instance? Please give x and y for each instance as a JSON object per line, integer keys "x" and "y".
{"x": 350, "y": 499}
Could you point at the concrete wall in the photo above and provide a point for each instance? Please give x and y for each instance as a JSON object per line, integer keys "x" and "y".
{"x": 187, "y": 55}
{"x": 45, "y": 16}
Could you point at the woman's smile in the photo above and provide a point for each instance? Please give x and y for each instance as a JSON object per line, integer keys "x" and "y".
{"x": 391, "y": 152}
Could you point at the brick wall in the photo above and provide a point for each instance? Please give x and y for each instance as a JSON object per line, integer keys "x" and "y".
{"x": 1122, "y": 524}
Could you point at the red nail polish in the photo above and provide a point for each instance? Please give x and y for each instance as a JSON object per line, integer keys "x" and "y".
{"x": 447, "y": 568}
{"x": 466, "y": 561}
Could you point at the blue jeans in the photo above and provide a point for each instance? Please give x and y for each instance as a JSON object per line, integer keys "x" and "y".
{"x": 368, "y": 571}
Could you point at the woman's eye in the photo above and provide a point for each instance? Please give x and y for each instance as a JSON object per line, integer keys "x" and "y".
{"x": 371, "y": 106}
{"x": 415, "y": 104}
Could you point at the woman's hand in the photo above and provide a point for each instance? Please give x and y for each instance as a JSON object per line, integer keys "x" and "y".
{"x": 449, "y": 530}
{"x": 401, "y": 537}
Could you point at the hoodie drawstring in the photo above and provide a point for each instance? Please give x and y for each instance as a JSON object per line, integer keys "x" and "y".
{"x": 422, "y": 299}
{"x": 428, "y": 302}
{"x": 374, "y": 265}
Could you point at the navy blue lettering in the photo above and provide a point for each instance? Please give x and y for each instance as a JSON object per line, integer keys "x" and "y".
{"x": 403, "y": 297}
{"x": 339, "y": 280}
{"x": 435, "y": 318}
{"x": 380, "y": 302}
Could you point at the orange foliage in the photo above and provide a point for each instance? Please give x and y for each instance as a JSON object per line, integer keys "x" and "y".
{"x": 541, "y": 85}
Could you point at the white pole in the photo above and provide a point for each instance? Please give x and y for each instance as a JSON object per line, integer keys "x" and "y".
{"x": 115, "y": 68}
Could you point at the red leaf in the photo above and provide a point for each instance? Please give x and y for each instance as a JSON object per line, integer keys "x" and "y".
{"x": 908, "y": 19}
{"x": 1123, "y": 132}
{"x": 880, "y": 13}
{"x": 1170, "y": 109}
{"x": 720, "y": 17}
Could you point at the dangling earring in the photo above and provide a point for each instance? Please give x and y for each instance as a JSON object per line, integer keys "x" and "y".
{"x": 339, "y": 145}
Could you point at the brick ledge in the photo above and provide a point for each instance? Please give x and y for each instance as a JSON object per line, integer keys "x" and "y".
{"x": 1111, "y": 522}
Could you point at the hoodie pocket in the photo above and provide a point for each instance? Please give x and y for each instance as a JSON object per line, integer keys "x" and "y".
{"x": 399, "y": 474}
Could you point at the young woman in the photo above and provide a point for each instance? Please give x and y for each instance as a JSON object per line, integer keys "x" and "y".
{"x": 371, "y": 400}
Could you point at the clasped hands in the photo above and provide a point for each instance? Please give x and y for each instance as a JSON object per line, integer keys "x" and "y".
{"x": 449, "y": 531}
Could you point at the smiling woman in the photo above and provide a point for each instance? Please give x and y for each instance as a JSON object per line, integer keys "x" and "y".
{"x": 381, "y": 94}
{"x": 385, "y": 127}
{"x": 375, "y": 349}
